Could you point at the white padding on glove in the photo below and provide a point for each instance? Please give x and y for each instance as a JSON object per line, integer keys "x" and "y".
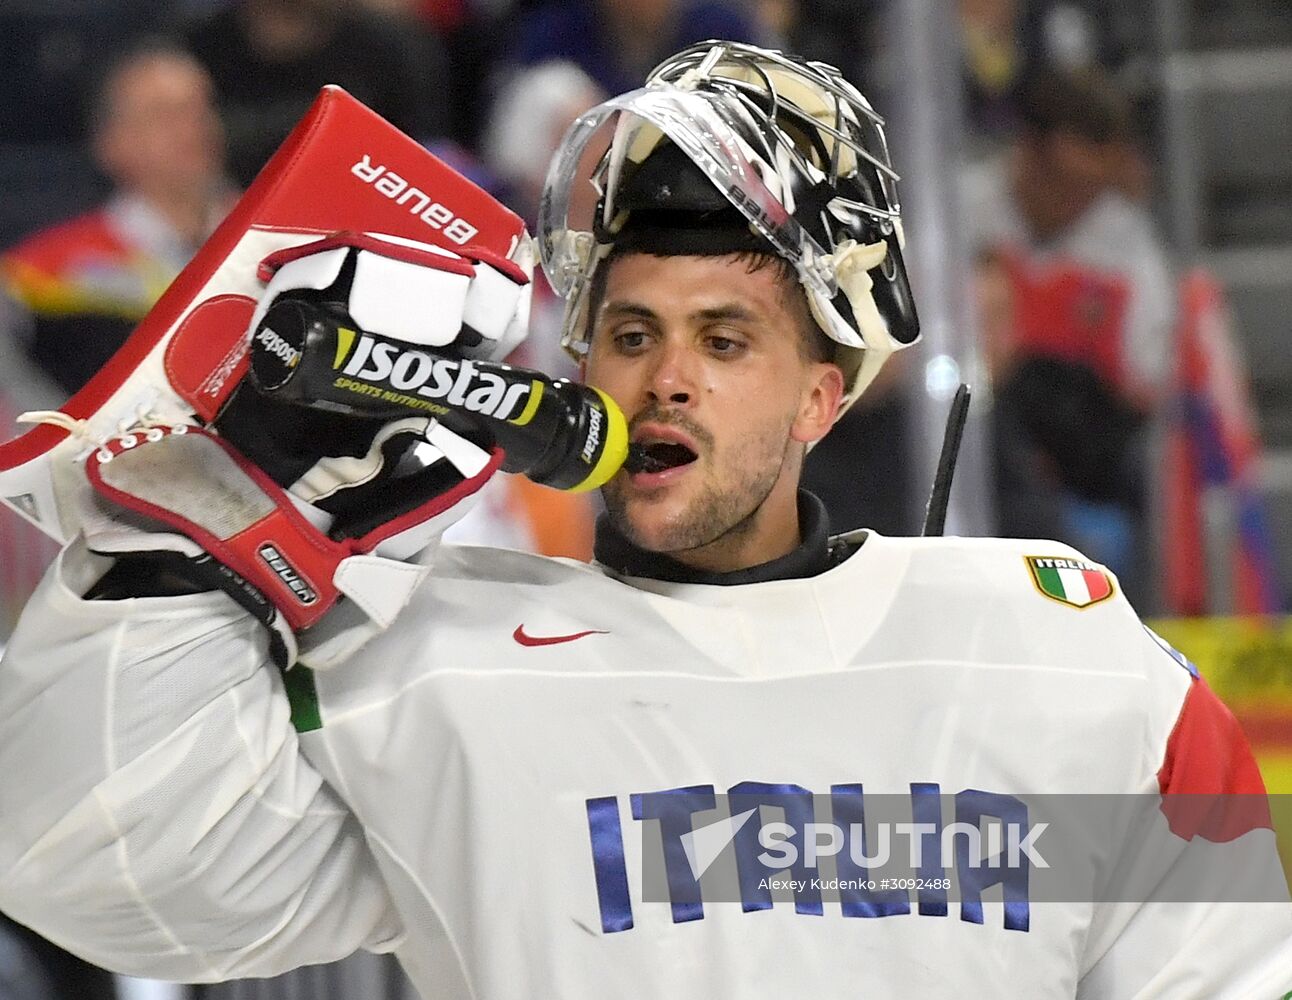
{"x": 491, "y": 302}
{"x": 466, "y": 456}
{"x": 415, "y": 292}
{"x": 315, "y": 271}
{"x": 340, "y": 472}
{"x": 406, "y": 301}
{"x": 381, "y": 587}
{"x": 518, "y": 326}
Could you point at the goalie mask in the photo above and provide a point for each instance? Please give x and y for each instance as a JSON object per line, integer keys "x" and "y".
{"x": 732, "y": 148}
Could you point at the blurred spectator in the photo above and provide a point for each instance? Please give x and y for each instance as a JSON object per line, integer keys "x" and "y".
{"x": 474, "y": 35}
{"x": 617, "y": 42}
{"x": 843, "y": 33}
{"x": 992, "y": 54}
{"x": 52, "y": 53}
{"x": 1052, "y": 422}
{"x": 1060, "y": 201}
{"x": 81, "y": 286}
{"x": 1088, "y": 357}
{"x": 529, "y": 118}
{"x": 1028, "y": 485}
{"x": 839, "y": 32}
{"x": 1064, "y": 34}
{"x": 74, "y": 292}
{"x": 472, "y": 42}
{"x": 1002, "y": 40}
{"x": 269, "y": 58}
{"x": 778, "y": 22}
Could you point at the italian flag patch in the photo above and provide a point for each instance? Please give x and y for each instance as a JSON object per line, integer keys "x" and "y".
{"x": 1070, "y": 581}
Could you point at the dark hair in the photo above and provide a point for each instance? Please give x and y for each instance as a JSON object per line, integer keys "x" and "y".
{"x": 814, "y": 345}
{"x": 99, "y": 105}
{"x": 1085, "y": 103}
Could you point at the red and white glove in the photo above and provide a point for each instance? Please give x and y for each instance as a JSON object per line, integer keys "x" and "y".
{"x": 320, "y": 523}
{"x": 473, "y": 303}
{"x": 185, "y": 490}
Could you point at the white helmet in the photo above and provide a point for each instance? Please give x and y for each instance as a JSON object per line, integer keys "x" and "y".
{"x": 790, "y": 144}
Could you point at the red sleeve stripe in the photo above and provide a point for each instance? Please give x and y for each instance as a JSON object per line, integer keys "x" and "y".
{"x": 1210, "y": 784}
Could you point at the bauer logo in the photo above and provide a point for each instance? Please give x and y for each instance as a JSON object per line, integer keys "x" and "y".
{"x": 386, "y": 366}
{"x": 418, "y": 202}
{"x": 294, "y": 582}
{"x": 760, "y": 214}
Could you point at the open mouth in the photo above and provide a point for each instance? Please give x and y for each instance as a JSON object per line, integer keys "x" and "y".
{"x": 658, "y": 456}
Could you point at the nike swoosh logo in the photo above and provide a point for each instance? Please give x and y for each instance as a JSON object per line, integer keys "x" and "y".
{"x": 525, "y": 639}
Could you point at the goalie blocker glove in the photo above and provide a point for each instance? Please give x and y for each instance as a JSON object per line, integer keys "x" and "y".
{"x": 195, "y": 497}
{"x": 319, "y": 523}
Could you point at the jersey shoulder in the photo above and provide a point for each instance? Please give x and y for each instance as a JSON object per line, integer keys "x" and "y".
{"x": 1016, "y": 569}
{"x": 499, "y": 566}
{"x": 1030, "y": 603}
{"x": 473, "y": 588}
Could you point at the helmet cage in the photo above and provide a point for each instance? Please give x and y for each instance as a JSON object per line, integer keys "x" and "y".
{"x": 790, "y": 143}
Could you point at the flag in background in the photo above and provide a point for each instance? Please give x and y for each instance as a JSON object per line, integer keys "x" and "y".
{"x": 1211, "y": 471}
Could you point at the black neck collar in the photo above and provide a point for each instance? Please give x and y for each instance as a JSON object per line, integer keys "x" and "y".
{"x": 814, "y": 554}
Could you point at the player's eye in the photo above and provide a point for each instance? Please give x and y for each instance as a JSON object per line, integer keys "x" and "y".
{"x": 630, "y": 341}
{"x": 725, "y": 346}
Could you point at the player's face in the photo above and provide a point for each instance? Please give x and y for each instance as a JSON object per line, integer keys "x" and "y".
{"x": 705, "y": 358}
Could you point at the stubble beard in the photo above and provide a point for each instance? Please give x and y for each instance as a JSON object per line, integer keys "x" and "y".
{"x": 718, "y": 513}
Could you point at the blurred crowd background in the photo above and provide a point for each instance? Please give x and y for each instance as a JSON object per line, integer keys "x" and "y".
{"x": 1120, "y": 202}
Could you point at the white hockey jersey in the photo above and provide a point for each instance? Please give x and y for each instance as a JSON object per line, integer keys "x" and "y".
{"x": 474, "y": 790}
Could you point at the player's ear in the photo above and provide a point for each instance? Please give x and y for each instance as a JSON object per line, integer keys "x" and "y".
{"x": 819, "y": 404}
